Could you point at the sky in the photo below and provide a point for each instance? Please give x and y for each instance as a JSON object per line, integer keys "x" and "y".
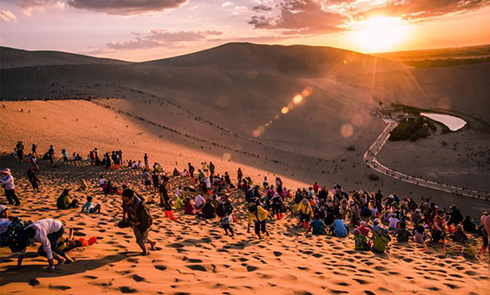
{"x": 139, "y": 30}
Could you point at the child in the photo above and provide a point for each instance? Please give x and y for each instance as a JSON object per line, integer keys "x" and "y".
{"x": 226, "y": 220}
{"x": 90, "y": 207}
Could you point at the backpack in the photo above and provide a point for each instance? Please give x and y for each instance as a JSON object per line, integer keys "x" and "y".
{"x": 144, "y": 217}
{"x": 220, "y": 210}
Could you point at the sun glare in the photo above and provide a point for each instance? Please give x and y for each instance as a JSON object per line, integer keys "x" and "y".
{"x": 380, "y": 33}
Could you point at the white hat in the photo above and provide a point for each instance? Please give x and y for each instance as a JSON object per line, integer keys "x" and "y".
{"x": 3, "y": 208}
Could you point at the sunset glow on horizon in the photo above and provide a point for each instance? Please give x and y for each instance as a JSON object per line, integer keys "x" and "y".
{"x": 145, "y": 30}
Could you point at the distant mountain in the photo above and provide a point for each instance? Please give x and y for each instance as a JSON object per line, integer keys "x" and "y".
{"x": 294, "y": 60}
{"x": 17, "y": 58}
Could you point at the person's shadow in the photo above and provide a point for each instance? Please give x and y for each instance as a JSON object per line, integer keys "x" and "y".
{"x": 30, "y": 273}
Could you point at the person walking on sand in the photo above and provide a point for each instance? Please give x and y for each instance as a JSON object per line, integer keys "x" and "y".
{"x": 140, "y": 219}
{"x": 7, "y": 181}
{"x": 33, "y": 179}
{"x": 34, "y": 149}
{"x": 239, "y": 175}
{"x": 225, "y": 210}
{"x": 147, "y": 164}
{"x": 191, "y": 170}
{"x": 259, "y": 216}
{"x": 146, "y": 179}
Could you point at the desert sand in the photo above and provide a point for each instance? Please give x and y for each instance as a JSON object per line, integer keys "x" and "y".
{"x": 193, "y": 256}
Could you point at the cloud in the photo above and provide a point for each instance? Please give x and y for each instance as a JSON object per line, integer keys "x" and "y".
{"x": 261, "y": 7}
{"x": 420, "y": 9}
{"x": 165, "y": 38}
{"x": 127, "y": 7}
{"x": 301, "y": 17}
{"x": 28, "y": 6}
{"x": 7, "y": 16}
{"x": 226, "y": 4}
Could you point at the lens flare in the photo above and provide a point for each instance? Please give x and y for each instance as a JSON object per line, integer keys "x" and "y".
{"x": 285, "y": 110}
{"x": 298, "y": 98}
{"x": 346, "y": 130}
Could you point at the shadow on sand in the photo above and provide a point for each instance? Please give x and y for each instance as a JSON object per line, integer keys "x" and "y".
{"x": 30, "y": 273}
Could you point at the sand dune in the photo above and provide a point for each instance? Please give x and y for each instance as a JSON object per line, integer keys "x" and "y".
{"x": 295, "y": 60}
{"x": 16, "y": 58}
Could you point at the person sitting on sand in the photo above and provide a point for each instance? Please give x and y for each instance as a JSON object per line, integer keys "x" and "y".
{"x": 363, "y": 229}
{"x": 47, "y": 232}
{"x": 317, "y": 226}
{"x": 208, "y": 210}
{"x": 65, "y": 202}
{"x": 459, "y": 236}
{"x": 402, "y": 234}
{"x": 83, "y": 185}
{"x": 339, "y": 228}
{"x": 189, "y": 207}
{"x": 33, "y": 179}
{"x": 416, "y": 217}
{"x": 380, "y": 240}
{"x": 469, "y": 226}
{"x": 419, "y": 234}
{"x": 393, "y": 221}
{"x": 90, "y": 207}
{"x": 259, "y": 216}
{"x": 4, "y": 225}
{"x": 360, "y": 241}
{"x": 199, "y": 202}
{"x": 102, "y": 181}
{"x": 179, "y": 202}
{"x": 140, "y": 219}
{"x": 438, "y": 227}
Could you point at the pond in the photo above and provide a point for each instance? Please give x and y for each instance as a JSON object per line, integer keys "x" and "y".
{"x": 452, "y": 122}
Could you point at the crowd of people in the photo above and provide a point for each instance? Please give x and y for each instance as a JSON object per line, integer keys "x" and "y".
{"x": 374, "y": 220}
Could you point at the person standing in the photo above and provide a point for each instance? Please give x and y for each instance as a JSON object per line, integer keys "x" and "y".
{"x": 147, "y": 165}
{"x": 33, "y": 179}
{"x": 239, "y": 175}
{"x": 140, "y": 219}
{"x": 34, "y": 149}
{"x": 7, "y": 181}
{"x": 191, "y": 170}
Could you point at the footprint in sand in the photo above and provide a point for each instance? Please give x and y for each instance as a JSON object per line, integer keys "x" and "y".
{"x": 125, "y": 289}
{"x": 160, "y": 267}
{"x": 63, "y": 288}
{"x": 34, "y": 282}
{"x": 138, "y": 279}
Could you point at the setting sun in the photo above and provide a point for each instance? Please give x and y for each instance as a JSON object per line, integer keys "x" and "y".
{"x": 380, "y": 33}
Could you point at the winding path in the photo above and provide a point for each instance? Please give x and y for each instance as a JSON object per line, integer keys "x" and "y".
{"x": 372, "y": 162}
